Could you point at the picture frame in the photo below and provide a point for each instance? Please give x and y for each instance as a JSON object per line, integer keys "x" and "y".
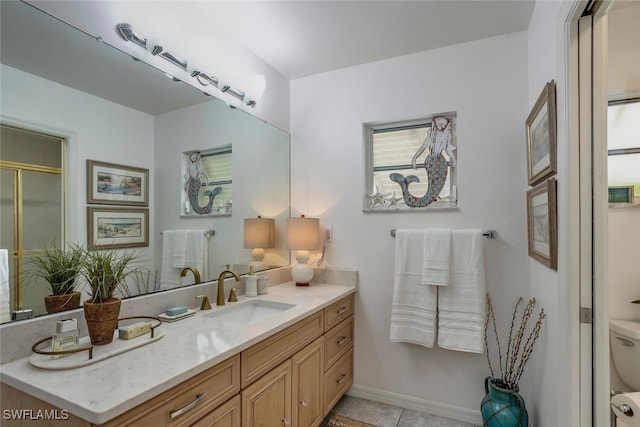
{"x": 113, "y": 184}
{"x": 621, "y": 195}
{"x": 542, "y": 223}
{"x": 541, "y": 136}
{"x": 115, "y": 228}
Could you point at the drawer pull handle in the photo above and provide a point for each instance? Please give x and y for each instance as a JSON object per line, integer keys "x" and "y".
{"x": 199, "y": 398}
{"x": 304, "y": 402}
{"x": 342, "y": 379}
{"x": 286, "y": 421}
{"x": 341, "y": 310}
{"x": 341, "y": 341}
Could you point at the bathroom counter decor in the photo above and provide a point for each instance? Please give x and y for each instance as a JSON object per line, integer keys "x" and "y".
{"x": 188, "y": 348}
{"x": 76, "y": 358}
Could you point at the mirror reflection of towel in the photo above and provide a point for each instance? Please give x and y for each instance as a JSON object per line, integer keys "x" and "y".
{"x": 180, "y": 249}
{"x": 5, "y": 306}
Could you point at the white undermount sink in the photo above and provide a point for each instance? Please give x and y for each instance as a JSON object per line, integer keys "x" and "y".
{"x": 251, "y": 312}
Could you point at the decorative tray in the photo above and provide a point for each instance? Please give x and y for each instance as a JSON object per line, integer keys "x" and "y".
{"x": 87, "y": 354}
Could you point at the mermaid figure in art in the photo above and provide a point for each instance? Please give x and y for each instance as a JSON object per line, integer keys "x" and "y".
{"x": 196, "y": 178}
{"x": 437, "y": 141}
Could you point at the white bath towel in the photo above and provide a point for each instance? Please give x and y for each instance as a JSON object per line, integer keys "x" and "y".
{"x": 413, "y": 310}
{"x": 180, "y": 249}
{"x": 5, "y": 295}
{"x": 461, "y": 305}
{"x": 437, "y": 256}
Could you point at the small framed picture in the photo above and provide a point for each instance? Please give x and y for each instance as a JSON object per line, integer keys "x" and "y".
{"x": 622, "y": 195}
{"x": 542, "y": 223}
{"x": 112, "y": 184}
{"x": 109, "y": 228}
{"x": 541, "y": 136}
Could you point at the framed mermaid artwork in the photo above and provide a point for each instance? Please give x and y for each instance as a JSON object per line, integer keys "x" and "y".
{"x": 112, "y": 184}
{"x": 541, "y": 136}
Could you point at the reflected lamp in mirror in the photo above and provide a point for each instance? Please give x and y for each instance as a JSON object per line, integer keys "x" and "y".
{"x": 259, "y": 233}
{"x": 302, "y": 235}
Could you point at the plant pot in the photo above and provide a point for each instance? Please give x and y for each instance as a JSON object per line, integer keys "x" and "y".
{"x": 502, "y": 407}
{"x": 102, "y": 320}
{"x": 56, "y": 303}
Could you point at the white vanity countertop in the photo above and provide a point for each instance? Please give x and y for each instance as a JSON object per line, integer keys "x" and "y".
{"x": 106, "y": 389}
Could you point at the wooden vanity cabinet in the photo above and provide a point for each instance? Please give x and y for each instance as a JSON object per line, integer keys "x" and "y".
{"x": 294, "y": 377}
{"x": 186, "y": 403}
{"x": 338, "y": 349}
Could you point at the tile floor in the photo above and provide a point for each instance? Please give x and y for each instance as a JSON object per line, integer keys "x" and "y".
{"x": 382, "y": 415}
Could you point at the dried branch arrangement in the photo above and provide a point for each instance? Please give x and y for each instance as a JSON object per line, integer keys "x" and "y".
{"x": 517, "y": 354}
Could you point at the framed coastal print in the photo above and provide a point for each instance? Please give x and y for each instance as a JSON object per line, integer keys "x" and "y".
{"x": 621, "y": 195}
{"x": 112, "y": 184}
{"x": 541, "y": 136}
{"x": 109, "y": 228}
{"x": 542, "y": 223}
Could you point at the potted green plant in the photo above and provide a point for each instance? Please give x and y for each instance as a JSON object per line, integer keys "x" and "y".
{"x": 104, "y": 272}
{"x": 60, "y": 269}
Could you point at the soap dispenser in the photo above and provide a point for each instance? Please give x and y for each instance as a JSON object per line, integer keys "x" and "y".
{"x": 251, "y": 284}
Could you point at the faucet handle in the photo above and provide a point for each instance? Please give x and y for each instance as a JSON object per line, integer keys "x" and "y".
{"x": 206, "y": 305}
{"x": 232, "y": 295}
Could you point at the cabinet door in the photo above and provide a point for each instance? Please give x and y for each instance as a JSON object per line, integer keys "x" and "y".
{"x": 267, "y": 402}
{"x": 308, "y": 379}
{"x": 226, "y": 415}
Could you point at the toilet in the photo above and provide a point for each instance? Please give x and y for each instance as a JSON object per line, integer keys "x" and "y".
{"x": 625, "y": 348}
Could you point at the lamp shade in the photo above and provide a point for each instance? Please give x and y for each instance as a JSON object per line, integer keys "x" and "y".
{"x": 259, "y": 233}
{"x": 303, "y": 233}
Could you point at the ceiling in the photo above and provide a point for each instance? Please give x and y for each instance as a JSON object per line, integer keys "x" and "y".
{"x": 301, "y": 38}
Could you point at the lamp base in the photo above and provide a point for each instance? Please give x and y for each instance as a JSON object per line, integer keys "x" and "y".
{"x": 302, "y": 274}
{"x": 302, "y": 284}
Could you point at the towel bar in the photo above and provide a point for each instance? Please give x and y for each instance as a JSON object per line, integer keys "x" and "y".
{"x": 207, "y": 233}
{"x": 489, "y": 234}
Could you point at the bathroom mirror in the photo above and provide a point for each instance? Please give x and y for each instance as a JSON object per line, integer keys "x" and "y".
{"x": 60, "y": 81}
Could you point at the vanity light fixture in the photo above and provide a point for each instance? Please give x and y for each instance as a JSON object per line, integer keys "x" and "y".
{"x": 128, "y": 33}
{"x": 259, "y": 233}
{"x": 303, "y": 234}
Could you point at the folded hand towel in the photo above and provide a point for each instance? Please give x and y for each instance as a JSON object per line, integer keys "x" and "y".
{"x": 461, "y": 305}
{"x": 413, "y": 310}
{"x": 437, "y": 256}
{"x": 5, "y": 306}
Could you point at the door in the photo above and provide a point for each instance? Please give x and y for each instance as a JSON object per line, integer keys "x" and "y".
{"x": 31, "y": 210}
{"x": 594, "y": 331}
{"x": 267, "y": 402}
{"x": 308, "y": 380}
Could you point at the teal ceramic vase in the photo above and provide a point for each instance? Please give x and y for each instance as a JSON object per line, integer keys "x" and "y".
{"x": 501, "y": 407}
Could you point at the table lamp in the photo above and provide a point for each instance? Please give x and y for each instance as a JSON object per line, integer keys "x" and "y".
{"x": 259, "y": 233}
{"x": 302, "y": 234}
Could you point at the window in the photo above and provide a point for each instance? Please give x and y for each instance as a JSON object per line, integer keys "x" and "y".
{"x": 624, "y": 145}
{"x": 208, "y": 182}
{"x": 394, "y": 148}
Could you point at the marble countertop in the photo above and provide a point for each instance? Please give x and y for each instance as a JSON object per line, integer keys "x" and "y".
{"x": 104, "y": 390}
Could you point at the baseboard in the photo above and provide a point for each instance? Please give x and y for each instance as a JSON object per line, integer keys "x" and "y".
{"x": 421, "y": 405}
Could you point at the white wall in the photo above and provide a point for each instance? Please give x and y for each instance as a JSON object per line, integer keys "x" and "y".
{"x": 485, "y": 82}
{"x": 95, "y": 128}
{"x": 624, "y": 55}
{"x": 550, "y": 375}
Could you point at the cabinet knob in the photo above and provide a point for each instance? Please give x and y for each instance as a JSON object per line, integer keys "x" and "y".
{"x": 286, "y": 421}
{"x": 304, "y": 402}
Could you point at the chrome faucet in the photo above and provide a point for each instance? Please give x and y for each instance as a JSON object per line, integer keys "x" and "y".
{"x": 220, "y": 297}
{"x": 196, "y": 273}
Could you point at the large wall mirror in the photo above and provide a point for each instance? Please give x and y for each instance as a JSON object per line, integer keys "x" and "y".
{"x": 101, "y": 106}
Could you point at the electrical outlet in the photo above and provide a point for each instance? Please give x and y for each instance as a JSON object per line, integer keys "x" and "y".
{"x": 328, "y": 234}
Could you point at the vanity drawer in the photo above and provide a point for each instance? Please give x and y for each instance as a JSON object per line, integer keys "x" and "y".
{"x": 196, "y": 397}
{"x": 338, "y": 341}
{"x": 337, "y": 312}
{"x": 266, "y": 355}
{"x": 337, "y": 380}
